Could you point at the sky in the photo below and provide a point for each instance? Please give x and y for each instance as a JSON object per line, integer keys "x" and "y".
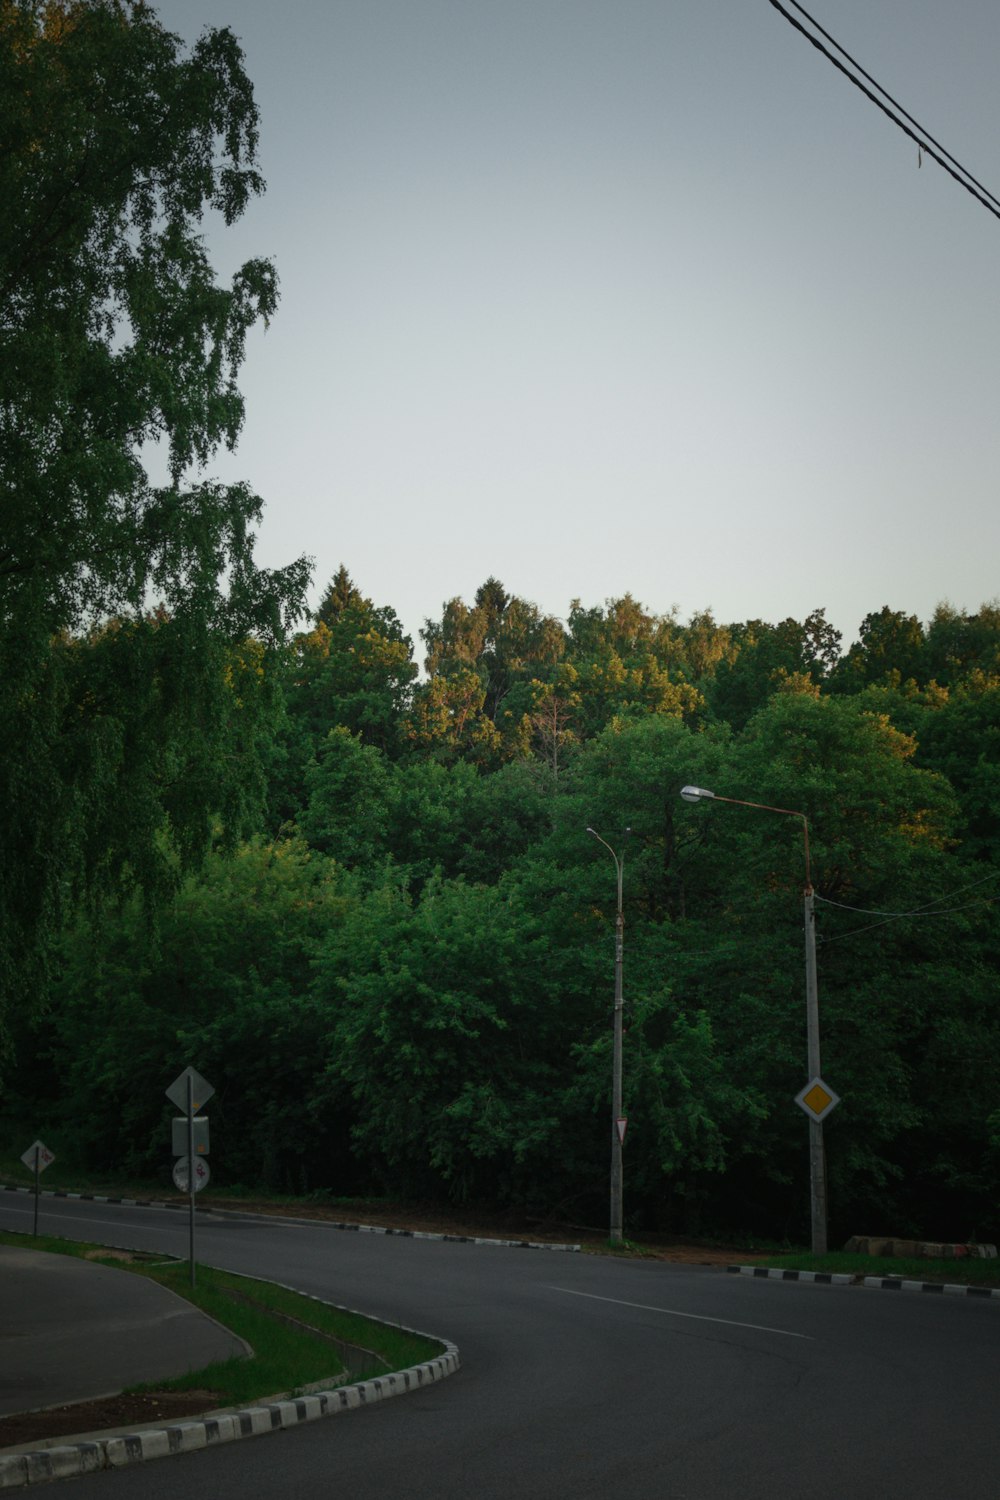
{"x": 608, "y": 296}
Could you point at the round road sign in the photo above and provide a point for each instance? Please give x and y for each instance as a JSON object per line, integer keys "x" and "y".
{"x": 201, "y": 1174}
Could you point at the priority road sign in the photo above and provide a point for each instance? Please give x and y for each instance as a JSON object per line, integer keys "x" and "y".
{"x": 817, "y": 1099}
{"x": 201, "y": 1090}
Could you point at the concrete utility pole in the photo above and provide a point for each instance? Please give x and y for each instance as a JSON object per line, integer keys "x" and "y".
{"x": 817, "y": 1158}
{"x": 617, "y": 1118}
{"x": 817, "y": 1161}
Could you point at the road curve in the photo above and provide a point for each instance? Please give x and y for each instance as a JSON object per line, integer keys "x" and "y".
{"x": 584, "y": 1377}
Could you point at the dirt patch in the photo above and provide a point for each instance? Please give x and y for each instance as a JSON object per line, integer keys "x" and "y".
{"x": 151, "y": 1409}
{"x": 485, "y": 1225}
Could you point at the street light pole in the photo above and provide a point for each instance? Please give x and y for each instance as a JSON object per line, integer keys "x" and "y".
{"x": 617, "y": 1128}
{"x": 817, "y": 1161}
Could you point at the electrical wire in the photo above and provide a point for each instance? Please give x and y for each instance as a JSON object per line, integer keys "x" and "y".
{"x": 895, "y": 102}
{"x": 943, "y": 158}
{"x": 917, "y": 911}
{"x": 839, "y": 937}
{"x": 932, "y": 909}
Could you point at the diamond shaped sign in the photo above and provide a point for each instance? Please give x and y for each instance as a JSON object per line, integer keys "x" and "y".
{"x": 38, "y": 1156}
{"x": 817, "y": 1099}
{"x": 201, "y": 1090}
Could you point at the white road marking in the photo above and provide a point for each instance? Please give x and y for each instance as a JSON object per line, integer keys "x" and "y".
{"x": 671, "y": 1312}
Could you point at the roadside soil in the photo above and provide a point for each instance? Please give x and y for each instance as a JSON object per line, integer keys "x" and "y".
{"x": 137, "y": 1413}
{"x": 485, "y": 1225}
{"x": 163, "y": 1408}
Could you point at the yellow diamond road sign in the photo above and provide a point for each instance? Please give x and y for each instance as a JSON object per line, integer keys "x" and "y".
{"x": 817, "y": 1099}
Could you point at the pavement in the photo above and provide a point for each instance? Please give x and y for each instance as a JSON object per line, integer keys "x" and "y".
{"x": 71, "y": 1330}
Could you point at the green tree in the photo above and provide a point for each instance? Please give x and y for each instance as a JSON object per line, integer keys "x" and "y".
{"x": 448, "y": 719}
{"x": 224, "y": 980}
{"x": 880, "y": 834}
{"x": 433, "y": 1004}
{"x": 766, "y": 658}
{"x": 353, "y": 670}
{"x": 959, "y": 644}
{"x": 962, "y": 741}
{"x": 114, "y": 336}
{"x": 625, "y": 663}
{"x": 347, "y": 812}
{"x": 888, "y": 642}
{"x": 500, "y": 637}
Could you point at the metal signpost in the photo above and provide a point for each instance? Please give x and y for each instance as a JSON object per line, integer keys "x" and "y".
{"x": 37, "y": 1158}
{"x": 189, "y": 1091}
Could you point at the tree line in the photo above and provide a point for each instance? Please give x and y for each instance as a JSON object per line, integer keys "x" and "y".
{"x": 400, "y": 977}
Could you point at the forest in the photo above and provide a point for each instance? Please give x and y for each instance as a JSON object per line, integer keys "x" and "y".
{"x": 400, "y": 976}
{"x": 350, "y": 878}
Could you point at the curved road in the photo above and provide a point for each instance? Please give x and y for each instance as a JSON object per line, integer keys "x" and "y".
{"x": 586, "y": 1378}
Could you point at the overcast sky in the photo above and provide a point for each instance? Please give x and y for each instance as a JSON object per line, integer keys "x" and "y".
{"x": 601, "y": 296}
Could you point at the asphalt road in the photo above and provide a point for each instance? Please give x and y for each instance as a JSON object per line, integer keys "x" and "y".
{"x": 585, "y": 1377}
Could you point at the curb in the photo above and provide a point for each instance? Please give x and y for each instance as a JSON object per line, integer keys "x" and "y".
{"x": 410, "y": 1234}
{"x": 948, "y": 1288}
{"x": 70, "y": 1460}
{"x": 772, "y": 1273}
{"x": 882, "y": 1283}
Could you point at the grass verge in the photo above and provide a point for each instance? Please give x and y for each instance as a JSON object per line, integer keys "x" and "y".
{"x": 291, "y": 1335}
{"x": 964, "y": 1272}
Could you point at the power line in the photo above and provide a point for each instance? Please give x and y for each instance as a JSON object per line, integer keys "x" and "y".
{"x": 931, "y": 909}
{"x": 943, "y": 158}
{"x": 917, "y": 911}
{"x": 885, "y": 93}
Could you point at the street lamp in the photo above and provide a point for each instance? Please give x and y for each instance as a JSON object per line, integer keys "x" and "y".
{"x": 617, "y": 1118}
{"x": 817, "y": 1165}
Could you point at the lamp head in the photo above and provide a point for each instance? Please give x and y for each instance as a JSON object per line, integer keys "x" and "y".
{"x": 697, "y": 794}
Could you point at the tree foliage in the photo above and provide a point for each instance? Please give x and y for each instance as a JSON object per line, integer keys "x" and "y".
{"x": 135, "y": 628}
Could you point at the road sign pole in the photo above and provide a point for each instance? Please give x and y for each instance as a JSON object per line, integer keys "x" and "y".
{"x": 188, "y": 1092}
{"x": 190, "y": 1115}
{"x": 36, "y": 1159}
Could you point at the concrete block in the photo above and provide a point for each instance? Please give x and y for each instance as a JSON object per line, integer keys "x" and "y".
{"x": 873, "y": 1244}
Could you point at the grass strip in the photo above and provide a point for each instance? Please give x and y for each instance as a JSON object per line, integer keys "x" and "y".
{"x": 966, "y": 1271}
{"x": 287, "y": 1356}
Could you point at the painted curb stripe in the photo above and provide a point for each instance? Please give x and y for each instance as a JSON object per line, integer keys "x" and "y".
{"x": 883, "y": 1283}
{"x": 20, "y": 1469}
{"x": 774, "y": 1273}
{"x": 942, "y": 1288}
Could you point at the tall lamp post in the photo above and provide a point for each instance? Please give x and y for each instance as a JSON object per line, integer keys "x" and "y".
{"x": 617, "y": 1118}
{"x": 817, "y": 1165}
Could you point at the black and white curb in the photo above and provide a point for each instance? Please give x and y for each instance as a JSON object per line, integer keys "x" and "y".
{"x": 772, "y": 1273}
{"x": 947, "y": 1288}
{"x": 72, "y": 1459}
{"x": 883, "y": 1283}
{"x": 409, "y": 1234}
